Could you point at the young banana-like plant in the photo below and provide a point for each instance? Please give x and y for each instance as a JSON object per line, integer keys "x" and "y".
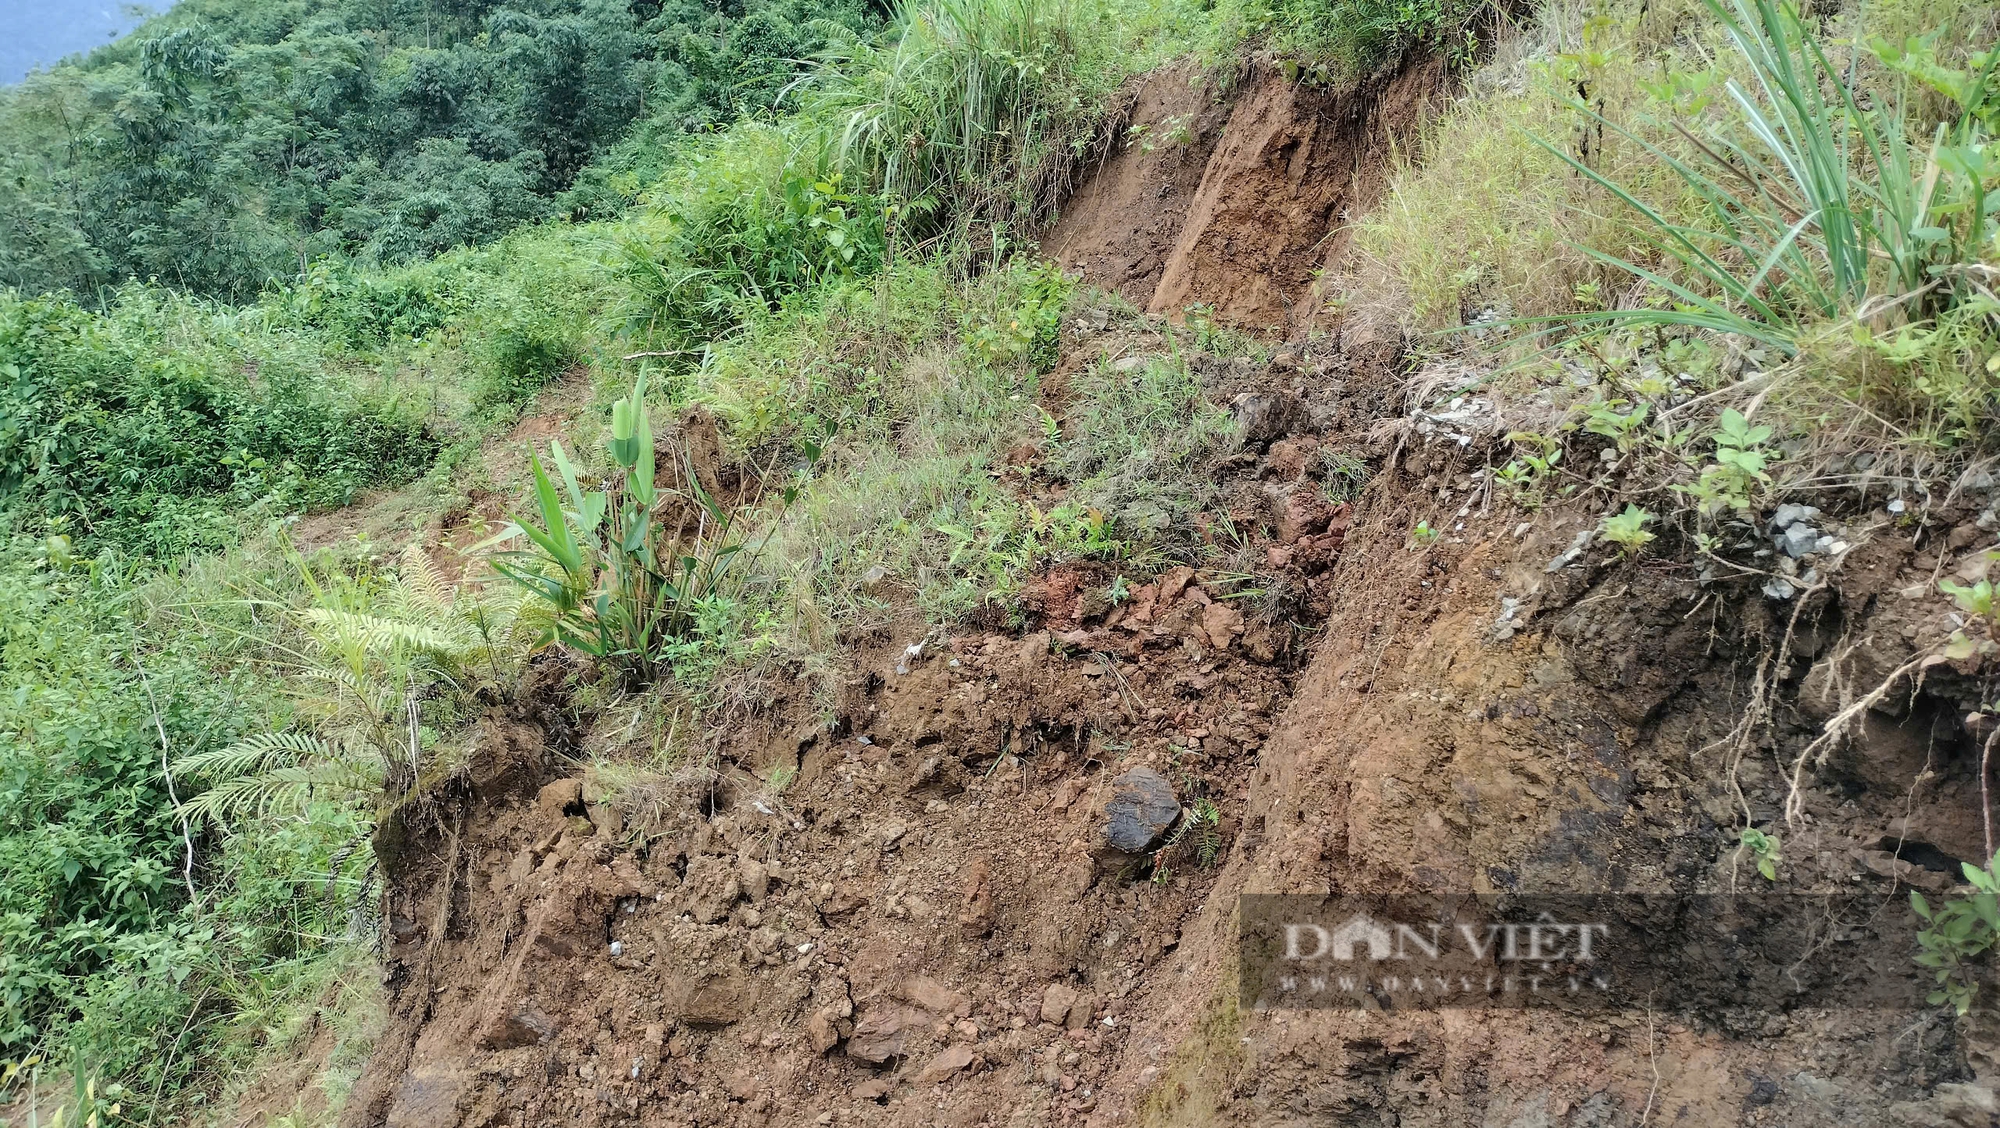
{"x": 617, "y": 584}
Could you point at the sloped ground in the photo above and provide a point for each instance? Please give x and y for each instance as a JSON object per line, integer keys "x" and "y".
{"x": 1235, "y": 197}
{"x": 927, "y": 901}
{"x": 923, "y": 928}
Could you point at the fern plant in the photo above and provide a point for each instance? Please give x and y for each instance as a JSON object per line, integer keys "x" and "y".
{"x": 377, "y": 668}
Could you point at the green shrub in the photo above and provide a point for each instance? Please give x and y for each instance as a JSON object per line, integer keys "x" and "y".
{"x": 613, "y": 579}
{"x": 522, "y": 353}
{"x": 111, "y": 430}
{"x": 741, "y": 224}
{"x": 1347, "y": 40}
{"x": 976, "y": 108}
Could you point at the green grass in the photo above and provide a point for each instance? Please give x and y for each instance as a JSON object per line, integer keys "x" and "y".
{"x": 1686, "y": 200}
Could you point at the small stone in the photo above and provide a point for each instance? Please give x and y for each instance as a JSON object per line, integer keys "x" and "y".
{"x": 873, "y": 1089}
{"x": 935, "y": 997}
{"x": 1128, "y": 364}
{"x": 754, "y": 879}
{"x": 1799, "y": 540}
{"x": 1056, "y": 1003}
{"x": 946, "y": 1064}
{"x": 1081, "y": 1011}
{"x": 874, "y": 579}
{"x": 879, "y": 1034}
{"x": 714, "y": 886}
{"x": 1780, "y": 589}
{"x": 554, "y": 798}
{"x": 975, "y": 910}
{"x": 523, "y": 1025}
{"x": 1141, "y": 810}
{"x": 1264, "y": 416}
{"x": 1789, "y": 515}
{"x": 1221, "y": 623}
{"x": 821, "y": 1031}
{"x": 966, "y": 1030}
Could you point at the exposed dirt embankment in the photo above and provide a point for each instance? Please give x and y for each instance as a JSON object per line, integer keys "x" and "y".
{"x": 1233, "y": 197}
{"x": 1475, "y": 722}
{"x": 928, "y": 918}
{"x": 927, "y": 923}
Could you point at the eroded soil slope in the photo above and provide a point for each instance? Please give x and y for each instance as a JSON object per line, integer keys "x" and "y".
{"x": 925, "y": 926}
{"x": 929, "y": 901}
{"x": 1233, "y": 197}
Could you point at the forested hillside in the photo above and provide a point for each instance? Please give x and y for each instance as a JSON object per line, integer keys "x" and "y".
{"x": 229, "y": 145}
{"x": 451, "y": 449}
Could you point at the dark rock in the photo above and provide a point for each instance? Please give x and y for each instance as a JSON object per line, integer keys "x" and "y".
{"x": 1264, "y": 416}
{"x": 1140, "y": 812}
{"x": 523, "y": 1025}
{"x": 1799, "y": 540}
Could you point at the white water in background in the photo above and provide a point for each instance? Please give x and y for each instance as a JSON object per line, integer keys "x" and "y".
{"x": 36, "y": 33}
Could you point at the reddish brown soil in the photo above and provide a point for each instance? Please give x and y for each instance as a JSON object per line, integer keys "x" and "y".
{"x": 877, "y": 942}
{"x": 910, "y": 900}
{"x": 886, "y": 939}
{"x": 1121, "y": 225}
{"x": 1240, "y": 217}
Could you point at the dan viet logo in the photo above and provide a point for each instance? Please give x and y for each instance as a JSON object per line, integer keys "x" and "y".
{"x": 1765, "y": 951}
{"x": 1366, "y": 956}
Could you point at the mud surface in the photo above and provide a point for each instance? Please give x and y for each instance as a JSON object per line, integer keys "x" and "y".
{"x": 1233, "y": 199}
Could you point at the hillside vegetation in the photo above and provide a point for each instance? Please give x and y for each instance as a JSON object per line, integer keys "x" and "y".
{"x": 269, "y": 260}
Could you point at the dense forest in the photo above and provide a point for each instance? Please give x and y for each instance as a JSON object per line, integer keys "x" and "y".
{"x": 266, "y": 259}
{"x": 231, "y": 145}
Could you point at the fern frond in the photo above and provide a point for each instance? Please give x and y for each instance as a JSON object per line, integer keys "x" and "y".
{"x": 377, "y": 634}
{"x": 255, "y": 754}
{"x": 285, "y": 790}
{"x": 422, "y": 583}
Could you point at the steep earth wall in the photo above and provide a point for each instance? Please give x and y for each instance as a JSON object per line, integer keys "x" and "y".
{"x": 925, "y": 926}
{"x": 1232, "y": 195}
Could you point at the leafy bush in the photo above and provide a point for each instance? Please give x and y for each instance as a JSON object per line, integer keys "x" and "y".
{"x": 387, "y": 664}
{"x": 977, "y": 107}
{"x": 614, "y": 580}
{"x": 1351, "y": 39}
{"x": 110, "y": 433}
{"x": 743, "y": 223}
{"x": 1957, "y": 933}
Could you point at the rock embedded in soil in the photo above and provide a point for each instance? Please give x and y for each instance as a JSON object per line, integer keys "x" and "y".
{"x": 879, "y": 1034}
{"x": 1799, "y": 539}
{"x": 975, "y": 913}
{"x": 1221, "y": 623}
{"x": 1264, "y": 416}
{"x": 935, "y": 997}
{"x": 946, "y": 1064}
{"x": 822, "y": 1032}
{"x": 1056, "y": 1003}
{"x": 1141, "y": 810}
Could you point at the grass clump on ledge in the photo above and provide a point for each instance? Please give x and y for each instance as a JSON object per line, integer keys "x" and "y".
{"x": 1742, "y": 212}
